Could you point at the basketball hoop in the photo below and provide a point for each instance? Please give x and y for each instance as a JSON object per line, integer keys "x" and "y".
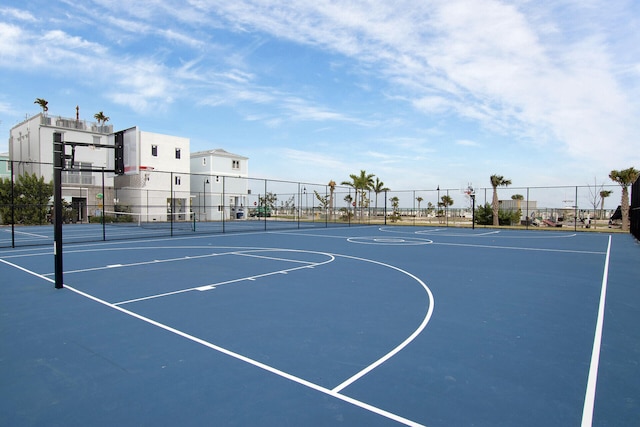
{"x": 146, "y": 170}
{"x": 469, "y": 191}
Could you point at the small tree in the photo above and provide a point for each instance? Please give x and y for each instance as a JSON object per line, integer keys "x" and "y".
{"x": 43, "y": 103}
{"x": 332, "y": 189}
{"x": 31, "y": 199}
{"x": 378, "y": 187}
{"x": 346, "y": 212}
{"x": 269, "y": 200}
{"x": 603, "y": 195}
{"x": 484, "y": 216}
{"x": 360, "y": 183}
{"x": 5, "y": 201}
{"x": 497, "y": 181}
{"x": 395, "y": 205}
{"x": 625, "y": 178}
{"x": 323, "y": 200}
{"x": 430, "y": 209}
{"x": 101, "y": 119}
{"x": 446, "y": 201}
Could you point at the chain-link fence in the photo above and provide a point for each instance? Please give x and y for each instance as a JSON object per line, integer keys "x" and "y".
{"x": 101, "y": 206}
{"x": 635, "y": 209}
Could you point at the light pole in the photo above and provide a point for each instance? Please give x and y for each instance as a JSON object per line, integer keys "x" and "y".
{"x": 304, "y": 191}
{"x": 204, "y": 197}
{"x": 438, "y": 205}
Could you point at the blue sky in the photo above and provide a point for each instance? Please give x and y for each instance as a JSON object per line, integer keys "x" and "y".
{"x": 419, "y": 93}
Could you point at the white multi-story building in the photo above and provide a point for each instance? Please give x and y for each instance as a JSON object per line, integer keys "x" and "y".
{"x": 206, "y": 185}
{"x": 161, "y": 186}
{"x": 31, "y": 150}
{"x": 5, "y": 166}
{"x": 219, "y": 184}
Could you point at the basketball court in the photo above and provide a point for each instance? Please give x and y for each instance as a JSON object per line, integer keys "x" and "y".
{"x": 327, "y": 326}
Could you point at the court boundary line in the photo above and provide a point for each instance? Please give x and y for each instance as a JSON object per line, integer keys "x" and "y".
{"x": 331, "y": 256}
{"x": 211, "y": 286}
{"x": 519, "y": 248}
{"x": 407, "y": 340}
{"x": 263, "y": 366}
{"x": 588, "y": 408}
{"x": 495, "y": 233}
{"x": 592, "y": 380}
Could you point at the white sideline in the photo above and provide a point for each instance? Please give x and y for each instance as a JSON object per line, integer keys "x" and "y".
{"x": 298, "y": 380}
{"x": 590, "y": 397}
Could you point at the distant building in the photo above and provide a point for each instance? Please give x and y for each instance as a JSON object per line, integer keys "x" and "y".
{"x": 219, "y": 185}
{"x": 31, "y": 149}
{"x": 162, "y": 185}
{"x": 5, "y": 166}
{"x": 527, "y": 208}
{"x": 207, "y": 185}
{"x": 514, "y": 205}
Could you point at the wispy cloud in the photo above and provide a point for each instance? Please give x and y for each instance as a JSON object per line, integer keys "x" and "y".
{"x": 318, "y": 160}
{"x": 522, "y": 70}
{"x": 467, "y": 143}
{"x": 17, "y": 14}
{"x": 501, "y": 65}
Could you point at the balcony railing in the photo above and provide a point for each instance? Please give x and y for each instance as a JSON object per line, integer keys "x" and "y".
{"x": 67, "y": 123}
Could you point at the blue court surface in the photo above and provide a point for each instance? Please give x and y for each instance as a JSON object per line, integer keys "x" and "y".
{"x": 354, "y": 326}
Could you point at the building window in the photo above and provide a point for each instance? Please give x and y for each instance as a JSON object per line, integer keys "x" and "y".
{"x": 177, "y": 180}
{"x": 154, "y": 150}
{"x": 71, "y": 176}
{"x": 235, "y": 164}
{"x": 177, "y": 153}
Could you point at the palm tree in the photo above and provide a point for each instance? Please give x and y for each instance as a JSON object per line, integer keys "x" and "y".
{"x": 395, "y": 205}
{"x": 518, "y": 198}
{"x": 378, "y": 187}
{"x": 497, "y": 181}
{"x": 101, "y": 118}
{"x": 625, "y": 178}
{"x": 43, "y": 104}
{"x": 446, "y": 201}
{"x": 360, "y": 183}
{"x": 332, "y": 189}
{"x": 419, "y": 199}
{"x": 603, "y": 195}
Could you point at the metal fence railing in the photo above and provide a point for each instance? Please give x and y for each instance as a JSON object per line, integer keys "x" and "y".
{"x": 635, "y": 209}
{"x": 162, "y": 203}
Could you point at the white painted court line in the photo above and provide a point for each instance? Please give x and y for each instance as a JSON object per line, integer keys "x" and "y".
{"x": 517, "y": 248}
{"x": 212, "y": 286}
{"x": 274, "y": 258}
{"x": 237, "y": 356}
{"x": 42, "y": 236}
{"x": 590, "y": 395}
{"x": 137, "y": 264}
{"x": 255, "y": 363}
{"x": 404, "y": 343}
{"x": 244, "y": 252}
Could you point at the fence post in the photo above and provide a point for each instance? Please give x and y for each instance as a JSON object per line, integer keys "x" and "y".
{"x": 13, "y": 210}
{"x": 104, "y": 232}
{"x": 575, "y": 211}
{"x": 385, "y": 207}
{"x": 265, "y": 205}
{"x": 58, "y": 164}
{"x": 526, "y": 216}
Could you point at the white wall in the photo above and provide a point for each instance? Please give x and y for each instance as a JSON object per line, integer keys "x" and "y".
{"x": 149, "y": 192}
{"x": 219, "y": 188}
